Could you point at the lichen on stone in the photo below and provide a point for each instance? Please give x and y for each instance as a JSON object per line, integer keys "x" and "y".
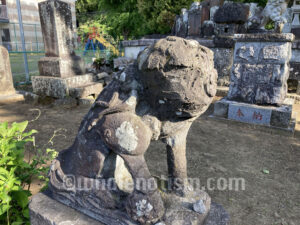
{"x": 126, "y": 135}
{"x": 143, "y": 208}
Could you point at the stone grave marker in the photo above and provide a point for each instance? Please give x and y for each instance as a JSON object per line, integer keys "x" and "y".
{"x": 7, "y": 90}
{"x": 61, "y": 70}
{"x": 258, "y": 82}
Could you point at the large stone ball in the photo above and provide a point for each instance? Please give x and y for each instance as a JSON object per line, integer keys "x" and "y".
{"x": 178, "y": 77}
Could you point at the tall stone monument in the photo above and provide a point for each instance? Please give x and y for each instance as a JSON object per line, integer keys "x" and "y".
{"x": 60, "y": 70}
{"x": 258, "y": 88}
{"x": 7, "y": 90}
{"x": 104, "y": 173}
{"x": 57, "y": 28}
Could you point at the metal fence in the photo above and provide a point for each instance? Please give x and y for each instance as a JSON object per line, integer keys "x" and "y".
{"x": 18, "y": 68}
{"x": 33, "y": 38}
{"x": 34, "y": 49}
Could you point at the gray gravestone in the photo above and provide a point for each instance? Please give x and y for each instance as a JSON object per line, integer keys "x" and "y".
{"x": 61, "y": 71}
{"x": 181, "y": 24}
{"x": 261, "y": 68}
{"x": 258, "y": 85}
{"x": 7, "y": 91}
{"x": 57, "y": 29}
{"x": 6, "y": 81}
{"x": 194, "y": 27}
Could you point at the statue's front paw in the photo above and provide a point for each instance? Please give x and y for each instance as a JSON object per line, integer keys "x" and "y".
{"x": 145, "y": 208}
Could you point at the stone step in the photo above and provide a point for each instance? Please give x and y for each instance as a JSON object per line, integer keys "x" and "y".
{"x": 86, "y": 90}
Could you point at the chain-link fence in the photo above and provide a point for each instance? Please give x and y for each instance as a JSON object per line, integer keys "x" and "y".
{"x": 34, "y": 46}
{"x": 33, "y": 38}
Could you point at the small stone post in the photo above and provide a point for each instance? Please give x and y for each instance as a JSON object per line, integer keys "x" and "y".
{"x": 6, "y": 80}
{"x": 7, "y": 90}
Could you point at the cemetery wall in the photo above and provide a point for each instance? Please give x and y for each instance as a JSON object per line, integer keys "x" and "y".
{"x": 223, "y": 55}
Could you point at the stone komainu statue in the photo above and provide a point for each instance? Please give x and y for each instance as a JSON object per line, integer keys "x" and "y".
{"x": 171, "y": 85}
{"x": 274, "y": 11}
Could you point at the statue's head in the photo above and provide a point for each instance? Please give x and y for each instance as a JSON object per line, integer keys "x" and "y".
{"x": 178, "y": 77}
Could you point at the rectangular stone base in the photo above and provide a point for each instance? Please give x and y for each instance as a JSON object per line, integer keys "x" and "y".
{"x": 45, "y": 211}
{"x": 59, "y": 87}
{"x": 7, "y": 99}
{"x": 277, "y": 117}
{"x": 61, "y": 67}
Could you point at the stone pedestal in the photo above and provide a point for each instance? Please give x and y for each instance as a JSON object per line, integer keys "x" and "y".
{"x": 60, "y": 69}
{"x": 279, "y": 117}
{"x": 7, "y": 91}
{"x": 76, "y": 86}
{"x": 258, "y": 82}
{"x": 44, "y": 210}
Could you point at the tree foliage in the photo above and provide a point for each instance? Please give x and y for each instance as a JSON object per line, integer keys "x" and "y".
{"x": 127, "y": 19}
{"x": 159, "y": 15}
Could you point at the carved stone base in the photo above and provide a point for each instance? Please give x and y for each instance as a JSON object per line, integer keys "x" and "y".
{"x": 57, "y": 87}
{"x": 271, "y": 116}
{"x": 44, "y": 210}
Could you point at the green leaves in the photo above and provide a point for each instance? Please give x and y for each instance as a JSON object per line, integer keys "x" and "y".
{"x": 265, "y": 171}
{"x": 21, "y": 197}
{"x": 4, "y": 208}
{"x": 3, "y": 129}
{"x": 129, "y": 19}
{"x": 17, "y": 173}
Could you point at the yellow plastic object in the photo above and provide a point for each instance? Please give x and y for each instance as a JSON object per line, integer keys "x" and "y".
{"x": 107, "y": 44}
